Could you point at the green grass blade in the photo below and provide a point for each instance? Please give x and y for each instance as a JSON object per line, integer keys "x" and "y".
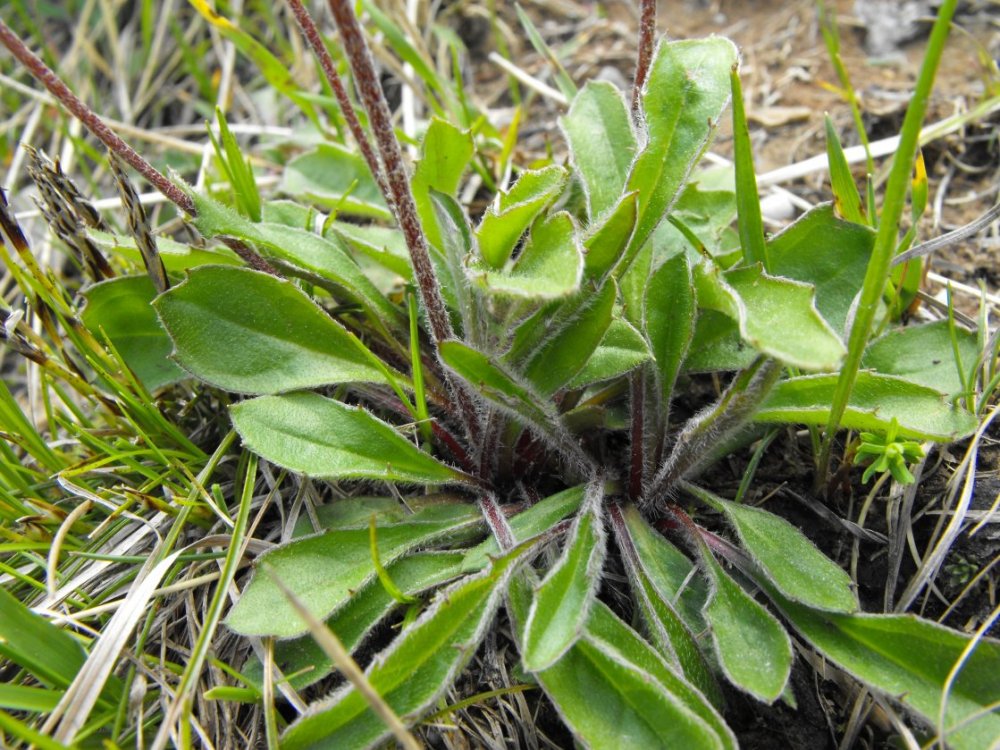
{"x": 749, "y": 220}
{"x": 887, "y": 237}
{"x": 845, "y": 192}
{"x": 563, "y": 81}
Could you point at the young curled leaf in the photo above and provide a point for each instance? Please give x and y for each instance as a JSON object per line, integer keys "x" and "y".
{"x": 505, "y": 222}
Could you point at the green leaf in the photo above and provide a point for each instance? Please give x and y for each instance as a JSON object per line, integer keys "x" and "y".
{"x": 754, "y": 651}
{"x": 33, "y": 699}
{"x": 605, "y": 628}
{"x": 924, "y": 355}
{"x": 607, "y": 241}
{"x": 633, "y": 286}
{"x": 49, "y": 654}
{"x": 664, "y": 624}
{"x": 416, "y": 670}
{"x": 335, "y": 177}
{"x": 717, "y": 345}
{"x": 910, "y": 660}
{"x": 445, "y": 155}
{"x": 608, "y": 702}
{"x": 549, "y": 266}
{"x": 564, "y": 598}
{"x": 325, "y": 570}
{"x": 922, "y": 412}
{"x": 621, "y": 350}
{"x": 251, "y": 332}
{"x": 602, "y": 144}
{"x": 122, "y": 310}
{"x": 356, "y": 512}
{"x": 323, "y": 438}
{"x": 493, "y": 381}
{"x": 787, "y": 558}
{"x": 539, "y": 518}
{"x": 827, "y": 252}
{"x": 566, "y": 351}
{"x": 302, "y": 659}
{"x": 776, "y": 315}
{"x": 613, "y": 690}
{"x": 505, "y": 221}
{"x": 300, "y": 252}
{"x": 670, "y": 570}
{"x": 685, "y": 93}
{"x": 670, "y": 320}
{"x": 465, "y": 307}
{"x": 382, "y": 245}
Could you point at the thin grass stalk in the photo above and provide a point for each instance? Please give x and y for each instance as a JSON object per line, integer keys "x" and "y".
{"x": 313, "y": 38}
{"x": 888, "y": 233}
{"x": 237, "y": 546}
{"x": 365, "y": 78}
{"x": 334, "y": 648}
{"x": 48, "y": 78}
{"x": 831, "y": 36}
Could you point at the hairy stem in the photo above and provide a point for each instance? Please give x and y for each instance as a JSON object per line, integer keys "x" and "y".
{"x": 366, "y": 79}
{"x": 312, "y": 36}
{"x": 249, "y": 256}
{"x": 647, "y": 35}
{"x": 497, "y": 521}
{"x": 404, "y": 207}
{"x": 48, "y": 78}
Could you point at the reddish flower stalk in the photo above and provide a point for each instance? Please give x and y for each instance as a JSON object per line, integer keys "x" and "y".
{"x": 380, "y": 119}
{"x": 249, "y": 256}
{"x": 312, "y": 36}
{"x": 647, "y": 34}
{"x": 449, "y": 441}
{"x": 48, "y": 78}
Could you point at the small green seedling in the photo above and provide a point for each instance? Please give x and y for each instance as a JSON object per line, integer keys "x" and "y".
{"x": 887, "y": 453}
